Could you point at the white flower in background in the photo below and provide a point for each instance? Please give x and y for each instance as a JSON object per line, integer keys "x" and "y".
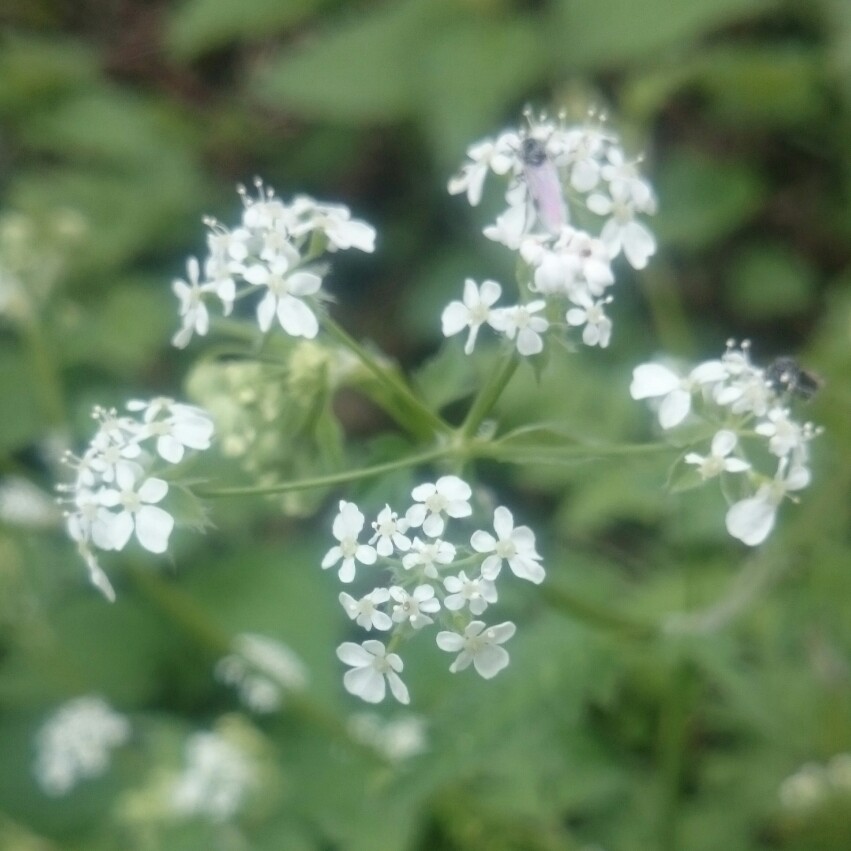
{"x": 262, "y": 670}
{"x": 336, "y": 222}
{"x": 474, "y": 593}
{"x": 346, "y": 529}
{"x": 622, "y": 232}
{"x": 473, "y": 312}
{"x": 426, "y": 555}
{"x": 499, "y": 156}
{"x": 24, "y": 504}
{"x": 579, "y": 152}
{"x": 194, "y": 316}
{"x": 591, "y": 314}
{"x": 448, "y": 495}
{"x": 76, "y": 743}
{"x": 414, "y": 608}
{"x": 751, "y": 520}
{"x": 138, "y": 512}
{"x": 365, "y": 612}
{"x": 480, "y": 645}
{"x": 372, "y": 670}
{"x": 389, "y": 533}
{"x": 521, "y": 323}
{"x": 718, "y": 461}
{"x": 397, "y": 739}
{"x": 215, "y": 780}
{"x": 514, "y": 545}
{"x": 175, "y": 426}
{"x": 784, "y": 434}
{"x": 625, "y": 180}
{"x": 510, "y": 226}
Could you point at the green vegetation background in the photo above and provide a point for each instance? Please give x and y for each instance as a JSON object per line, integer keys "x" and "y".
{"x": 122, "y": 123}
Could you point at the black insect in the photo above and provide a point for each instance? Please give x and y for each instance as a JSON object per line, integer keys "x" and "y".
{"x": 785, "y": 375}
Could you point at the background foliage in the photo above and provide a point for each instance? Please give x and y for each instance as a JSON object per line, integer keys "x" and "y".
{"x": 123, "y": 122}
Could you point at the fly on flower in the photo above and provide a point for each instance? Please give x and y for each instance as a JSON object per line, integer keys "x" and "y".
{"x": 786, "y": 375}
{"x": 543, "y": 184}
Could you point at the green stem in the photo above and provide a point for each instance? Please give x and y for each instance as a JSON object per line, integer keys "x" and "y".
{"x": 488, "y": 395}
{"x": 333, "y": 478}
{"x": 406, "y": 408}
{"x": 595, "y": 615}
{"x": 673, "y": 733}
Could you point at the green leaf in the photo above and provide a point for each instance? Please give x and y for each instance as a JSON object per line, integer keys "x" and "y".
{"x": 22, "y": 421}
{"x": 610, "y": 33}
{"x": 770, "y": 280}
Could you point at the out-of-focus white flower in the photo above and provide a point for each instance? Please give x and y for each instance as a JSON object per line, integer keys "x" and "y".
{"x": 24, "y": 504}
{"x": 347, "y": 526}
{"x": 597, "y": 329}
{"x": 426, "y": 555}
{"x": 622, "y": 232}
{"x": 449, "y": 495}
{"x": 76, "y": 743}
{"x": 176, "y": 427}
{"x": 519, "y": 322}
{"x": 475, "y": 593}
{"x": 473, "y": 312}
{"x": 194, "y": 316}
{"x": 499, "y": 156}
{"x": 365, "y": 612}
{"x": 514, "y": 545}
{"x": 215, "y": 781}
{"x": 718, "y": 461}
{"x": 480, "y": 645}
{"x": 372, "y": 670}
{"x": 784, "y": 434}
{"x": 397, "y": 739}
{"x": 414, "y": 608}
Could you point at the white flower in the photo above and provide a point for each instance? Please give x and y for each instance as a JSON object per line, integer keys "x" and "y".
{"x": 336, "y": 222}
{"x": 499, "y": 156}
{"x": 371, "y": 665}
{"x": 578, "y": 150}
{"x": 590, "y": 313}
{"x": 390, "y": 533}
{"x": 415, "y": 607}
{"x": 398, "y": 739}
{"x": 195, "y": 319}
{"x": 784, "y": 434}
{"x": 23, "y": 504}
{"x": 519, "y": 322}
{"x": 347, "y": 526}
{"x": 472, "y": 312}
{"x": 215, "y": 781}
{"x": 510, "y": 226}
{"x": 751, "y": 520}
{"x": 717, "y": 461}
{"x": 365, "y": 611}
{"x": 625, "y": 181}
{"x": 448, "y": 495}
{"x": 262, "y": 670}
{"x": 480, "y": 645}
{"x": 622, "y": 232}
{"x": 285, "y": 290}
{"x": 138, "y": 514}
{"x": 175, "y": 426}
{"x": 76, "y": 742}
{"x": 427, "y": 554}
{"x": 475, "y": 593}
{"x": 516, "y": 546}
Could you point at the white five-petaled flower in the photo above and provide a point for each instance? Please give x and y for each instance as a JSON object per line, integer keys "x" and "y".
{"x": 591, "y": 314}
{"x": 365, "y": 612}
{"x": 285, "y": 290}
{"x": 514, "y": 545}
{"x": 475, "y": 593}
{"x": 427, "y": 554}
{"x": 718, "y": 461}
{"x": 175, "y": 426}
{"x": 751, "y": 520}
{"x": 473, "y": 312}
{"x": 414, "y": 608}
{"x": 521, "y": 323}
{"x": 784, "y": 434}
{"x": 347, "y": 526}
{"x": 76, "y": 742}
{"x": 390, "y": 533}
{"x": 448, "y": 495}
{"x": 373, "y": 669}
{"x": 138, "y": 512}
{"x": 336, "y": 222}
{"x": 194, "y": 316}
{"x": 499, "y": 156}
{"x": 480, "y": 645}
{"x": 622, "y": 232}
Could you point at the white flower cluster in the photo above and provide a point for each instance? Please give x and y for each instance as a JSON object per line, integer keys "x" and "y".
{"x": 743, "y": 403}
{"x": 114, "y": 495}
{"x": 76, "y": 742}
{"x": 814, "y": 784}
{"x": 426, "y": 583}
{"x": 397, "y": 739}
{"x": 263, "y": 671}
{"x": 558, "y": 177}
{"x": 272, "y": 252}
{"x": 215, "y": 780}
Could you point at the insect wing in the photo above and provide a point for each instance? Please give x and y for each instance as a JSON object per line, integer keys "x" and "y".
{"x": 545, "y": 191}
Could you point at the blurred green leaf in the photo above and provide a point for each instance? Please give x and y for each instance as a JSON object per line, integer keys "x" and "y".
{"x": 19, "y": 413}
{"x": 770, "y": 280}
